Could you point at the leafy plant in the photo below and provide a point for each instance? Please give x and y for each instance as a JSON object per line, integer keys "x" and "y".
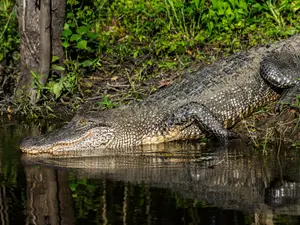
{"x": 106, "y": 103}
{"x": 8, "y": 31}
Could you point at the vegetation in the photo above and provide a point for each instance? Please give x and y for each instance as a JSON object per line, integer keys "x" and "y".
{"x": 9, "y": 47}
{"x": 119, "y": 50}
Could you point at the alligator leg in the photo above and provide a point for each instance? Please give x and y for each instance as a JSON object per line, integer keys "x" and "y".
{"x": 282, "y": 74}
{"x": 287, "y": 97}
{"x": 203, "y": 117}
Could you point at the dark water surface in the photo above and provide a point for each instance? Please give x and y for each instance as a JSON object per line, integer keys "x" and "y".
{"x": 180, "y": 184}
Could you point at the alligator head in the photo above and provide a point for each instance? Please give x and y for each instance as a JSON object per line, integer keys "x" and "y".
{"x": 83, "y": 132}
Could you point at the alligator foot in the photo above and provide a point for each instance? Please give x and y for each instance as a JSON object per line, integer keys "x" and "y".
{"x": 202, "y": 116}
{"x": 287, "y": 98}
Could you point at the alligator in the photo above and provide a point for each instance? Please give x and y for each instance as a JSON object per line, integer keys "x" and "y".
{"x": 206, "y": 101}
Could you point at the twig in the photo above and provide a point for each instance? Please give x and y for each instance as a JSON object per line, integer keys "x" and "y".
{"x": 118, "y": 85}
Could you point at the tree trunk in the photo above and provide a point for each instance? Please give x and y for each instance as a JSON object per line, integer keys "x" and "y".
{"x": 57, "y": 26}
{"x": 28, "y": 17}
{"x": 40, "y": 25}
{"x": 45, "y": 46}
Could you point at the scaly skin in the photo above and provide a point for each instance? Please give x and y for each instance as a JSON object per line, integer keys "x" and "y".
{"x": 209, "y": 100}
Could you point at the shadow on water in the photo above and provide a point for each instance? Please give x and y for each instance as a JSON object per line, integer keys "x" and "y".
{"x": 178, "y": 184}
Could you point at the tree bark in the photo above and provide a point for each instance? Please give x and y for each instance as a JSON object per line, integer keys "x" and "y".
{"x": 40, "y": 25}
{"x": 28, "y": 18}
{"x": 45, "y": 45}
{"x": 57, "y": 27}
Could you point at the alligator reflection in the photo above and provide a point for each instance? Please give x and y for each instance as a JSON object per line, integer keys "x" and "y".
{"x": 231, "y": 178}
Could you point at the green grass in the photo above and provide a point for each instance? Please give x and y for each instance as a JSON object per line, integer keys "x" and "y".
{"x": 151, "y": 36}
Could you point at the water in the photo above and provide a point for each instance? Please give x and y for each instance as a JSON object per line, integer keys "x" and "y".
{"x": 179, "y": 184}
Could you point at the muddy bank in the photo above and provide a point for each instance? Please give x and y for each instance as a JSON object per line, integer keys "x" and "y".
{"x": 267, "y": 126}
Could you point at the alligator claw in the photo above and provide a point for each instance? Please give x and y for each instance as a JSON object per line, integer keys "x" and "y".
{"x": 288, "y": 97}
{"x": 280, "y": 106}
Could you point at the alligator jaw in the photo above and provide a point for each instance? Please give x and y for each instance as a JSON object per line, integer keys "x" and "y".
{"x": 53, "y": 149}
{"x": 68, "y": 140}
{"x": 31, "y": 145}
